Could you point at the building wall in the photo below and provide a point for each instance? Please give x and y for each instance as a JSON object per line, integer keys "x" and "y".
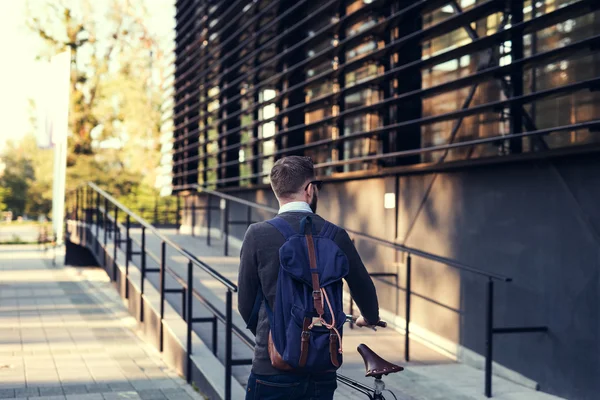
{"x": 343, "y": 98}
{"x": 536, "y": 222}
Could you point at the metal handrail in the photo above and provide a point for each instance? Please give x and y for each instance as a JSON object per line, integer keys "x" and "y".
{"x": 368, "y": 238}
{"x": 211, "y": 271}
{"x": 111, "y": 224}
{"x": 189, "y": 292}
{"x": 88, "y": 214}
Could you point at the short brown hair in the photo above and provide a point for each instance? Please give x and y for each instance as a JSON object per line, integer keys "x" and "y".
{"x": 289, "y": 174}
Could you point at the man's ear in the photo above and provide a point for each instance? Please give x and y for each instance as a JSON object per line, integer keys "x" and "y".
{"x": 308, "y": 193}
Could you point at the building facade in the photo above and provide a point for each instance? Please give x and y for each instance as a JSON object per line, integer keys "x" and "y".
{"x": 468, "y": 129}
{"x": 364, "y": 87}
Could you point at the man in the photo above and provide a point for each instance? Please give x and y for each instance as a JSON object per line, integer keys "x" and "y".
{"x": 294, "y": 184}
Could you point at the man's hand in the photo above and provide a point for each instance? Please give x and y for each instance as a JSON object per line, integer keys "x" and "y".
{"x": 361, "y": 322}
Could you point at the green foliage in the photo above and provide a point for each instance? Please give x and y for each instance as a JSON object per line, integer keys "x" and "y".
{"x": 18, "y": 173}
{"x": 4, "y": 193}
{"x": 27, "y": 178}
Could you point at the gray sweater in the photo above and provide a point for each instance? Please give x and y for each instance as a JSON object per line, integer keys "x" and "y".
{"x": 259, "y": 266}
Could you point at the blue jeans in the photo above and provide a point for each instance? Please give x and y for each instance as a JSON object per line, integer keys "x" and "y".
{"x": 291, "y": 387}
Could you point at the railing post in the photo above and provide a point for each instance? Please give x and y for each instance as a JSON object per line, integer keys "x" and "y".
{"x": 351, "y": 311}
{"x": 193, "y": 215}
{"x": 127, "y": 255}
{"x": 351, "y": 301}
{"x": 214, "y": 335}
{"x": 88, "y": 204}
{"x": 177, "y": 216}
{"x": 77, "y": 204}
{"x": 226, "y": 228}
{"x": 143, "y": 271}
{"x": 208, "y": 219}
{"x": 82, "y": 204}
{"x": 155, "y": 210}
{"x": 489, "y": 337}
{"x": 89, "y": 216}
{"x": 228, "y": 349}
{"x": 97, "y": 221}
{"x": 183, "y": 304}
{"x": 190, "y": 317}
{"x": 115, "y": 241}
{"x": 163, "y": 257}
{"x": 104, "y": 220}
{"x": 84, "y": 216}
{"x": 249, "y": 216}
{"x": 407, "y": 312}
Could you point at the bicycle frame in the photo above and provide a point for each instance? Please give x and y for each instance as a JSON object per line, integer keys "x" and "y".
{"x": 371, "y": 393}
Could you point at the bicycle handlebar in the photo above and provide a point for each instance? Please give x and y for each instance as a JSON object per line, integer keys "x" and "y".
{"x": 382, "y": 324}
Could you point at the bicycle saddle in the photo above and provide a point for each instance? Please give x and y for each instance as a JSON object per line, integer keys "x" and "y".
{"x": 375, "y": 365}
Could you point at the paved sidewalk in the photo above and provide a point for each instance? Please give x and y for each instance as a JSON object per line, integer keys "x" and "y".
{"x": 64, "y": 334}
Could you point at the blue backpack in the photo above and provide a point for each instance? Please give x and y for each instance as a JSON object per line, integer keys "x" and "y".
{"x": 306, "y": 322}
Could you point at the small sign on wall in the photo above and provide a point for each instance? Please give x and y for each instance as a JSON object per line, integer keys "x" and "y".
{"x": 389, "y": 201}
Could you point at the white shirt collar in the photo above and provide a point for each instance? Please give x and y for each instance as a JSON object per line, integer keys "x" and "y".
{"x": 295, "y": 206}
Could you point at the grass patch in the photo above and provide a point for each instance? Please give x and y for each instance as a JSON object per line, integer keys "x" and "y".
{"x": 197, "y": 390}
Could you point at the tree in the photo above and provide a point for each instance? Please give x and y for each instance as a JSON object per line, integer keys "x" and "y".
{"x": 27, "y": 178}
{"x": 116, "y": 80}
{"x": 4, "y": 193}
{"x": 99, "y": 36}
{"x": 18, "y": 173}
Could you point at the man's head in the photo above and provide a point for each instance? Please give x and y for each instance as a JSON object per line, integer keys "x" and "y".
{"x": 293, "y": 179}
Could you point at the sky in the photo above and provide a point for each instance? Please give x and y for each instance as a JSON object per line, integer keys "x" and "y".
{"x": 19, "y": 72}
{"x": 22, "y": 77}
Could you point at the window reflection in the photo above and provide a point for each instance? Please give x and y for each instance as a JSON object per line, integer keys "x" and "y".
{"x": 267, "y": 130}
{"x": 246, "y": 137}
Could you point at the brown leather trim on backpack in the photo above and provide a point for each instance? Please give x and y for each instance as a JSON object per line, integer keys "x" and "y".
{"x": 333, "y": 348}
{"x": 276, "y": 360}
{"x": 304, "y": 342}
{"x": 312, "y": 258}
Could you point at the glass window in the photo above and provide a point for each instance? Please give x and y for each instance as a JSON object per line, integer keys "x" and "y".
{"x": 267, "y": 130}
{"x": 362, "y": 74}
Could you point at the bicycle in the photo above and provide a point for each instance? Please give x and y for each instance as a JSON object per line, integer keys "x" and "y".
{"x": 375, "y": 366}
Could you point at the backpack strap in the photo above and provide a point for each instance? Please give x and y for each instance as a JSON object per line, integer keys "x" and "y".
{"x": 329, "y": 231}
{"x": 307, "y": 221}
{"x": 314, "y": 272}
{"x": 282, "y": 226}
{"x": 253, "y": 321}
